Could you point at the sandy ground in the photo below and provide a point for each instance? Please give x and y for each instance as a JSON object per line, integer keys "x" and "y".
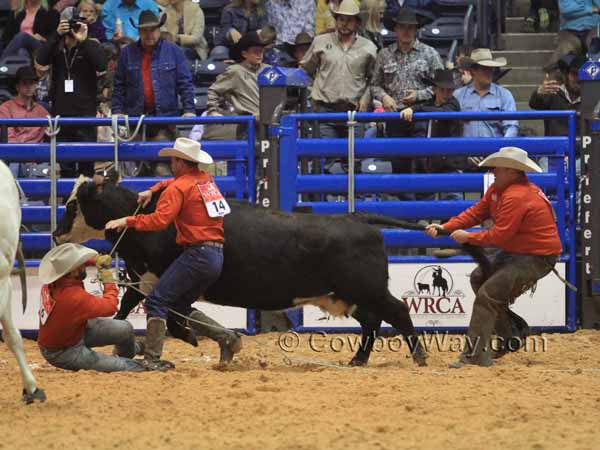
{"x": 529, "y": 400}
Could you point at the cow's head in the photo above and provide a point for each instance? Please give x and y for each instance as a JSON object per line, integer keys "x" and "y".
{"x": 92, "y": 203}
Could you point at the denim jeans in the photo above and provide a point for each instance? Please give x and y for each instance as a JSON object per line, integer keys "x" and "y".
{"x": 185, "y": 280}
{"x": 21, "y": 42}
{"x": 99, "y": 333}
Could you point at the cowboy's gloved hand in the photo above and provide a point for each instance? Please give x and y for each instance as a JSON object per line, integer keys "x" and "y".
{"x": 103, "y": 261}
{"x": 433, "y": 229}
{"x": 106, "y": 276}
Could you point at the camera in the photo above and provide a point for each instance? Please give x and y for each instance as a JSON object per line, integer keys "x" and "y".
{"x": 75, "y": 23}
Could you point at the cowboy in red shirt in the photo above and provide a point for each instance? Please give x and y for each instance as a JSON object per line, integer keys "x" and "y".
{"x": 73, "y": 321}
{"x": 526, "y": 235}
{"x": 193, "y": 202}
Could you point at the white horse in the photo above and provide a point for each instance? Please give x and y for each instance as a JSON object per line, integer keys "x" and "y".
{"x": 10, "y": 224}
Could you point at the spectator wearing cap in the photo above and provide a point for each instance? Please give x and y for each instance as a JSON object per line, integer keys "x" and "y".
{"x": 185, "y": 22}
{"x": 340, "y": 63}
{"x": 28, "y": 27}
{"x": 88, "y": 11}
{"x": 151, "y": 74}
{"x": 444, "y": 83}
{"x": 325, "y": 16}
{"x": 238, "y": 86}
{"x": 127, "y": 13}
{"x": 400, "y": 76}
{"x": 76, "y": 62}
{"x": 556, "y": 94}
{"x": 482, "y": 94}
{"x": 241, "y": 17}
{"x": 299, "y": 48}
{"x": 290, "y": 18}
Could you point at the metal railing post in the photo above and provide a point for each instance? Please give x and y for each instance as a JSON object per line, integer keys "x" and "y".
{"x": 53, "y": 130}
{"x": 351, "y": 135}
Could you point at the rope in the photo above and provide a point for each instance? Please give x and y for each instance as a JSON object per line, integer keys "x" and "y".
{"x": 129, "y": 137}
{"x": 123, "y": 232}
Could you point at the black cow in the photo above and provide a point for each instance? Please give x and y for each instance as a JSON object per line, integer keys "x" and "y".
{"x": 273, "y": 260}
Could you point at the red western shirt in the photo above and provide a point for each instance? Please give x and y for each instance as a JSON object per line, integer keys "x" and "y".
{"x": 523, "y": 220}
{"x": 182, "y": 204}
{"x": 17, "y": 109}
{"x": 149, "y": 101}
{"x": 74, "y": 307}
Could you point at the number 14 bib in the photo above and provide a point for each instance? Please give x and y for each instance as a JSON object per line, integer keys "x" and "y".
{"x": 216, "y": 205}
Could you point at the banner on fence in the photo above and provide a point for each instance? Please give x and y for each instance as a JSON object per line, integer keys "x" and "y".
{"x": 440, "y": 296}
{"x": 227, "y": 316}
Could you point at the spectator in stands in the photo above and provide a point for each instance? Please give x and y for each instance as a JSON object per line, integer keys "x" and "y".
{"x": 541, "y": 14}
{"x": 88, "y": 11}
{"x": 325, "y": 20}
{"x": 23, "y": 106}
{"x": 290, "y": 18}
{"x": 238, "y": 86}
{"x": 578, "y": 19}
{"x": 185, "y": 21}
{"x": 463, "y": 75}
{"x": 340, "y": 63}
{"x": 484, "y": 95}
{"x": 28, "y": 27}
{"x": 120, "y": 17}
{"x": 400, "y": 76}
{"x": 42, "y": 89}
{"x": 552, "y": 94}
{"x": 372, "y": 12}
{"x": 298, "y": 49}
{"x": 239, "y": 18}
{"x": 76, "y": 62}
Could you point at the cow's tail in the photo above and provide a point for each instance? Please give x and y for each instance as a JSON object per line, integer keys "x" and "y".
{"x": 474, "y": 251}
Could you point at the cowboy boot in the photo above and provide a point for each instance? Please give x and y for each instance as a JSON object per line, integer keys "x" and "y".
{"x": 180, "y": 329}
{"x": 229, "y": 341}
{"x": 155, "y": 338}
{"x": 512, "y": 330}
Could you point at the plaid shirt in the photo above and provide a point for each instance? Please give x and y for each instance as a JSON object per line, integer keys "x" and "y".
{"x": 396, "y": 73}
{"x": 290, "y": 18}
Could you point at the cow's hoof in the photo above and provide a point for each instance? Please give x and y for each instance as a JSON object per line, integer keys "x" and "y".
{"x": 230, "y": 347}
{"x": 420, "y": 359}
{"x": 37, "y": 395}
{"x": 358, "y": 362}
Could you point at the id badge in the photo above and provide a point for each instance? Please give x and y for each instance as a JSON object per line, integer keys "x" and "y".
{"x": 69, "y": 87}
{"x": 216, "y": 205}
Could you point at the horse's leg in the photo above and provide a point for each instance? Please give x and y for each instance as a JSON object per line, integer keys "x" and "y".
{"x": 15, "y": 343}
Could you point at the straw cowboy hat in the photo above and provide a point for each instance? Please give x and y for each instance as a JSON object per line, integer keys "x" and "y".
{"x": 483, "y": 57}
{"x": 511, "y": 158}
{"x": 189, "y": 150}
{"x": 63, "y": 259}
{"x": 348, "y": 8}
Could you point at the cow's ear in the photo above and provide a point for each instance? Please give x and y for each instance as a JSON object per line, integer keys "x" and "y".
{"x": 105, "y": 174}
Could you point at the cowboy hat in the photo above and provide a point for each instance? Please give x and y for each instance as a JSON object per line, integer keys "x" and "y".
{"x": 348, "y": 8}
{"x": 445, "y": 78}
{"x": 148, "y": 19}
{"x": 511, "y": 158}
{"x": 63, "y": 259}
{"x": 406, "y": 16}
{"x": 189, "y": 150}
{"x": 483, "y": 57}
{"x": 250, "y": 39}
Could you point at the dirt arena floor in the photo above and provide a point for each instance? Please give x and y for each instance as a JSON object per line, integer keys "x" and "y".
{"x": 529, "y": 400}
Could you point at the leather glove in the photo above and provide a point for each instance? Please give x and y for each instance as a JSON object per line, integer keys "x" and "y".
{"x": 106, "y": 276}
{"x": 103, "y": 261}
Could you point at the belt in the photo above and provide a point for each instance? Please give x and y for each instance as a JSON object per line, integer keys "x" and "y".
{"x": 341, "y": 106}
{"x": 206, "y": 243}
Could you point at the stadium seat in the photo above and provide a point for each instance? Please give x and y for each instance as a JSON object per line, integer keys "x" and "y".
{"x": 206, "y": 72}
{"x": 212, "y": 11}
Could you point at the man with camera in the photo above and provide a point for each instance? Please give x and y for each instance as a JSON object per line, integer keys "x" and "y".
{"x": 76, "y": 62}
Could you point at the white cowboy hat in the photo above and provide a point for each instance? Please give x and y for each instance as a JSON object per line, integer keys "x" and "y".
{"x": 483, "y": 57}
{"x": 347, "y": 8}
{"x": 511, "y": 158}
{"x": 63, "y": 259}
{"x": 188, "y": 149}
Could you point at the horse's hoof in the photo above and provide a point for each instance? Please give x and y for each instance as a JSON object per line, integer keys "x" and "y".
{"x": 38, "y": 395}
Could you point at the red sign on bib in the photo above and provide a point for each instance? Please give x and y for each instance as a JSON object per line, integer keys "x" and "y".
{"x": 47, "y": 304}
{"x": 216, "y": 205}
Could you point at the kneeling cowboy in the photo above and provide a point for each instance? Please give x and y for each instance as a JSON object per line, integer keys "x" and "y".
{"x": 193, "y": 202}
{"x": 73, "y": 321}
{"x": 526, "y": 235}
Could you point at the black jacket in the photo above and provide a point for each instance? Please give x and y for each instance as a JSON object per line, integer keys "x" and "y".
{"x": 554, "y": 102}
{"x": 444, "y": 128}
{"x": 88, "y": 60}
{"x": 44, "y": 24}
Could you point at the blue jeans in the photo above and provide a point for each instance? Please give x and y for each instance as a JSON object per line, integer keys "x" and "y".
{"x": 99, "y": 333}
{"x": 20, "y": 43}
{"x": 185, "y": 280}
